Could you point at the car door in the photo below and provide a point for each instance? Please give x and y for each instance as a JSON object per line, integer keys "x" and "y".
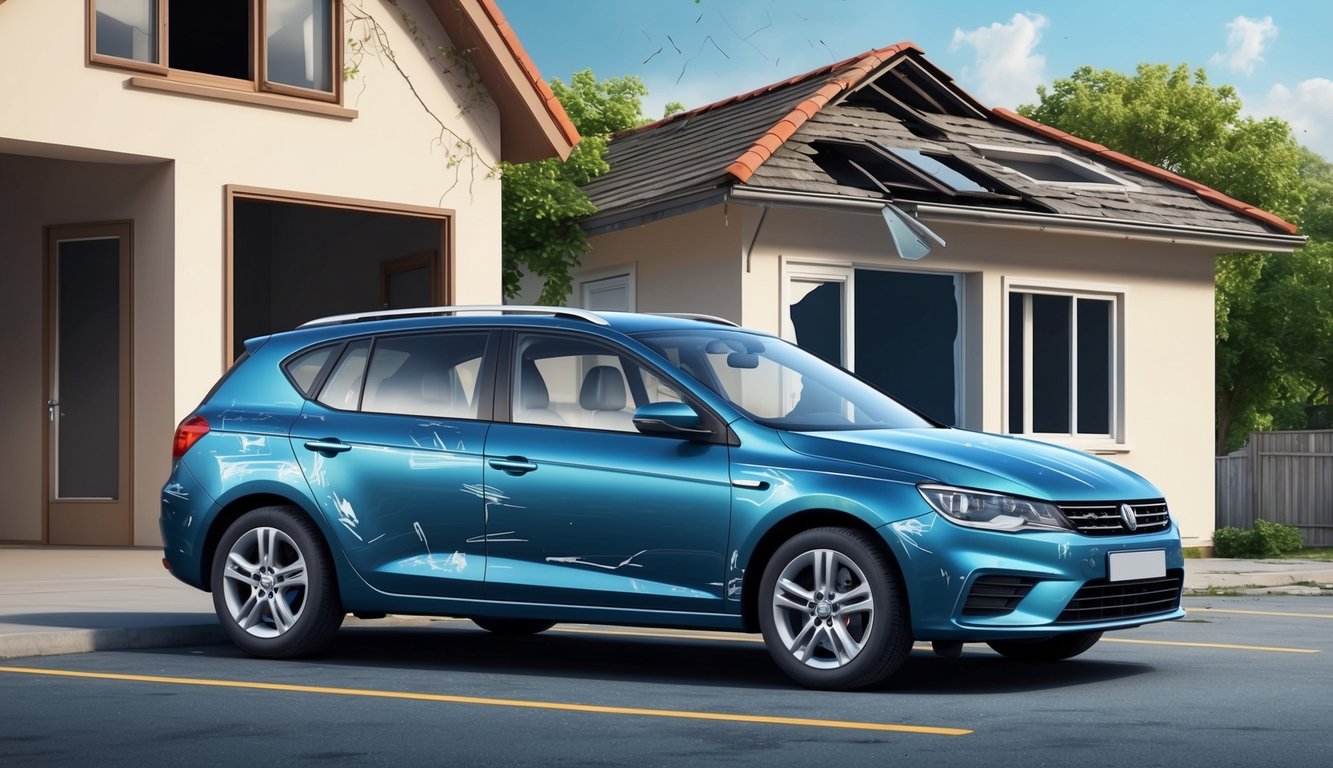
{"x": 583, "y": 509}
{"x": 391, "y": 446}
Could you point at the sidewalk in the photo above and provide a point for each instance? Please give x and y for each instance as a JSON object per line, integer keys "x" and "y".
{"x": 56, "y": 600}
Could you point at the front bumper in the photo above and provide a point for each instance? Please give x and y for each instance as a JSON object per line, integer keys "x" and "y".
{"x": 972, "y": 585}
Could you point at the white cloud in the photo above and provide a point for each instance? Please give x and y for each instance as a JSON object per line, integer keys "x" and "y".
{"x": 1006, "y": 72}
{"x": 1246, "y": 40}
{"x": 1309, "y": 110}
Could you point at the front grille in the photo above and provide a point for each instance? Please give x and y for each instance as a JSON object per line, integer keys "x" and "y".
{"x": 996, "y": 595}
{"x": 1107, "y": 519}
{"x": 1103, "y": 600}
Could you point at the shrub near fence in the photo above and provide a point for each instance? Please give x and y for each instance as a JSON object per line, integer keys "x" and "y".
{"x": 1281, "y": 477}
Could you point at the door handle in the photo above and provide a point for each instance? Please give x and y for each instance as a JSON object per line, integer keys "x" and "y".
{"x": 513, "y": 465}
{"x": 328, "y": 447}
{"x": 51, "y": 406}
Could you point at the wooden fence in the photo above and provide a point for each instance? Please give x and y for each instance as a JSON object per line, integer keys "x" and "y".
{"x": 1281, "y": 477}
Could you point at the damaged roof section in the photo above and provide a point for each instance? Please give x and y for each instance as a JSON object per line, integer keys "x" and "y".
{"x": 890, "y": 125}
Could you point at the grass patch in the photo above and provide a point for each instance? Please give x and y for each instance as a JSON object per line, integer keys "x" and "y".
{"x": 1313, "y": 553}
{"x": 1192, "y": 553}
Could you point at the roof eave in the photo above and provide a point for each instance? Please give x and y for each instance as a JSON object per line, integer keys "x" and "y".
{"x": 533, "y": 123}
{"x": 1221, "y": 240}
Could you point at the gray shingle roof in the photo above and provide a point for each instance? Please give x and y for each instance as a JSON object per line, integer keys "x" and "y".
{"x": 787, "y": 137}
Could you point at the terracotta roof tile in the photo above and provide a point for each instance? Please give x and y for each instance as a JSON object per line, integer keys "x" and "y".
{"x": 845, "y": 74}
{"x": 1204, "y": 192}
{"x": 530, "y": 71}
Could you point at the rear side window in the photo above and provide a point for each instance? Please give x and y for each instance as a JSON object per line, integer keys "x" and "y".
{"x": 304, "y": 369}
{"x": 343, "y": 388}
{"x": 426, "y": 375}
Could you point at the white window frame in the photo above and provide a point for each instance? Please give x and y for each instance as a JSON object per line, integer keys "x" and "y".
{"x": 621, "y": 275}
{"x": 998, "y": 154}
{"x": 845, "y": 272}
{"x": 1115, "y": 441}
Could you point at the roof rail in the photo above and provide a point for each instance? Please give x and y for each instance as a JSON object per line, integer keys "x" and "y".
{"x": 497, "y": 309}
{"x": 699, "y": 317}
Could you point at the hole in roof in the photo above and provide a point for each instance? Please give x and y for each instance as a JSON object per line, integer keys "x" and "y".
{"x": 1049, "y": 167}
{"x": 941, "y": 171}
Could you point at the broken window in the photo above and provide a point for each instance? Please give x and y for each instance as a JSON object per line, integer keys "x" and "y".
{"x": 898, "y": 330}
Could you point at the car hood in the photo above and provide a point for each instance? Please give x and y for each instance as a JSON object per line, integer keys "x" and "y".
{"x": 980, "y": 461}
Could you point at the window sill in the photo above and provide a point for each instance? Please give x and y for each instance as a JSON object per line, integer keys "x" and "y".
{"x": 273, "y": 100}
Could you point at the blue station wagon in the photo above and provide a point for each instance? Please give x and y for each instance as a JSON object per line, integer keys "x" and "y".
{"x": 522, "y": 466}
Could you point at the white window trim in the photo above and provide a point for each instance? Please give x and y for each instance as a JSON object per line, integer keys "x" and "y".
{"x": 997, "y": 154}
{"x": 627, "y": 274}
{"x": 845, "y": 272}
{"x": 1116, "y": 441}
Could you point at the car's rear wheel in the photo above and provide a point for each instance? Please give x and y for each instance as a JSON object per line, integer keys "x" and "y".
{"x": 832, "y": 612}
{"x": 1054, "y": 648}
{"x": 274, "y": 589}
{"x": 512, "y": 626}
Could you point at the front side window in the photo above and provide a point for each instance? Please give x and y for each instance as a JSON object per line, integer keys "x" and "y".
{"x": 1062, "y": 363}
{"x": 285, "y": 46}
{"x": 779, "y": 384}
{"x": 572, "y": 382}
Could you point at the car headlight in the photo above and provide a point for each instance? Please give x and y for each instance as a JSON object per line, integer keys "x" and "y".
{"x": 992, "y": 511}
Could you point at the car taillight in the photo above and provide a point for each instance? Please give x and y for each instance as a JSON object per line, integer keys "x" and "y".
{"x": 187, "y": 434}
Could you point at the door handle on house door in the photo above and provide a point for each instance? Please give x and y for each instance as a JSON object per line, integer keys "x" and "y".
{"x": 51, "y": 406}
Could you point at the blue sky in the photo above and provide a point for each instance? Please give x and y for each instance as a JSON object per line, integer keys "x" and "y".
{"x": 1277, "y": 53}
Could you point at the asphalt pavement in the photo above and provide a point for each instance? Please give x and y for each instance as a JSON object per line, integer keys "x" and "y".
{"x": 60, "y": 600}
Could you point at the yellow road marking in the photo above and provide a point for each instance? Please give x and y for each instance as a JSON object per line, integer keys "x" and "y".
{"x": 1224, "y": 646}
{"x": 480, "y": 701}
{"x": 1262, "y": 613}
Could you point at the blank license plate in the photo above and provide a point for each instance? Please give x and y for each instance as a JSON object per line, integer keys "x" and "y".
{"x": 1127, "y": 566}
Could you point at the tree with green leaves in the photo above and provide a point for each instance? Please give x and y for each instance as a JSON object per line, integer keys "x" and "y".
{"x": 1274, "y": 319}
{"x": 542, "y": 200}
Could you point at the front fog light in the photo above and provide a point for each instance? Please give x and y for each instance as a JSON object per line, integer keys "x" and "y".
{"x": 992, "y": 511}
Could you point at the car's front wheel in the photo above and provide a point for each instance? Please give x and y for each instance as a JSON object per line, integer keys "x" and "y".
{"x": 1048, "y": 648}
{"x": 832, "y": 611}
{"x": 274, "y": 589}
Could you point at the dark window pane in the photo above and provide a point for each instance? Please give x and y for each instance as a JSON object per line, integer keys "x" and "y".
{"x": 1094, "y": 366}
{"x": 211, "y": 37}
{"x": 906, "y": 326}
{"x": 817, "y": 319}
{"x": 1050, "y": 363}
{"x": 1016, "y": 363}
{"x": 88, "y": 360}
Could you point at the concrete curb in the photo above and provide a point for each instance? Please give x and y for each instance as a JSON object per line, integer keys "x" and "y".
{"x": 58, "y": 642}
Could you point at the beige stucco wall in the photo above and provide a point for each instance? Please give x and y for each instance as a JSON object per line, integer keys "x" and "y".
{"x": 1167, "y": 315}
{"x": 694, "y": 268}
{"x": 392, "y": 152}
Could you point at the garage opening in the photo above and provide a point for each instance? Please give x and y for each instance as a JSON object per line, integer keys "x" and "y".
{"x": 292, "y": 261}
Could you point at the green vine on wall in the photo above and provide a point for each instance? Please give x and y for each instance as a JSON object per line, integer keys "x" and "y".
{"x": 366, "y": 36}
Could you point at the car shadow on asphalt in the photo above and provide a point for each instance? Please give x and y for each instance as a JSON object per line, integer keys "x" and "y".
{"x": 704, "y": 662}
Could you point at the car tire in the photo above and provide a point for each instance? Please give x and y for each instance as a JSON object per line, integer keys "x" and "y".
{"x": 832, "y": 611}
{"x": 512, "y": 626}
{"x": 274, "y": 589}
{"x": 1055, "y": 648}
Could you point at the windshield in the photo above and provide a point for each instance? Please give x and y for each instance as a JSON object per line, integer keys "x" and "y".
{"x": 778, "y": 384}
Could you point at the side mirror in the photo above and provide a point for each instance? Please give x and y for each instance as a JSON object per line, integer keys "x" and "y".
{"x": 673, "y": 419}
